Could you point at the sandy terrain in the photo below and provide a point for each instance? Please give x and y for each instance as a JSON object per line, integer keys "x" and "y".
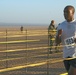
{"x": 27, "y": 52}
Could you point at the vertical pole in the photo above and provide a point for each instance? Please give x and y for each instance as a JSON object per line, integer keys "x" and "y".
{"x": 26, "y": 49}
{"x": 48, "y": 56}
{"x": 6, "y": 51}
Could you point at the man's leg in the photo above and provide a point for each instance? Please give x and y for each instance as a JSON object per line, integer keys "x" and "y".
{"x": 67, "y": 65}
{"x": 72, "y": 71}
{"x": 51, "y": 44}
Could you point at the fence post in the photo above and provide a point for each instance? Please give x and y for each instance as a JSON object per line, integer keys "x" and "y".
{"x": 26, "y": 50}
{"x": 6, "y": 51}
{"x": 48, "y": 57}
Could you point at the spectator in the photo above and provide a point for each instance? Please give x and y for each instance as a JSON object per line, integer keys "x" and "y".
{"x": 51, "y": 35}
{"x": 21, "y": 28}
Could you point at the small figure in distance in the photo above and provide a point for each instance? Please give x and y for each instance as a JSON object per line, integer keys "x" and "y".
{"x": 51, "y": 35}
{"x": 21, "y": 28}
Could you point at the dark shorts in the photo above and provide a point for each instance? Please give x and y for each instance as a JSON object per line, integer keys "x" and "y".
{"x": 71, "y": 62}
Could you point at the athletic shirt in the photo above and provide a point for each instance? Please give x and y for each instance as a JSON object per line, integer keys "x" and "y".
{"x": 67, "y": 38}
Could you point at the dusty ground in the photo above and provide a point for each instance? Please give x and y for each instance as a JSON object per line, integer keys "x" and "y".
{"x": 28, "y": 58}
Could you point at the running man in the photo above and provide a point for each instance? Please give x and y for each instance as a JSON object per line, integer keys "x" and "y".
{"x": 66, "y": 33}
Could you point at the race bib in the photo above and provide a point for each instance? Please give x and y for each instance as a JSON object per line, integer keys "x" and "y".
{"x": 69, "y": 42}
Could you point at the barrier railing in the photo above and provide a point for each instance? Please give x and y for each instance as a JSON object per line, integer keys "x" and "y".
{"x": 27, "y": 53}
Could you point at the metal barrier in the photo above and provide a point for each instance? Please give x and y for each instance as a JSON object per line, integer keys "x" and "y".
{"x": 27, "y": 53}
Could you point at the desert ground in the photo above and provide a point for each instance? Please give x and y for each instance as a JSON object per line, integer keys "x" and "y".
{"x": 27, "y": 52}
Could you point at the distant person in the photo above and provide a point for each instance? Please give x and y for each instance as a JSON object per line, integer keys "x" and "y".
{"x": 66, "y": 33}
{"x": 21, "y": 28}
{"x": 51, "y": 35}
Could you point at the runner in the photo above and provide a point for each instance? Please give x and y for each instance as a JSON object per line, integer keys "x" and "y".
{"x": 66, "y": 33}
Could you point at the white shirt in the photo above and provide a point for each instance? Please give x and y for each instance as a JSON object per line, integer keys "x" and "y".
{"x": 68, "y": 35}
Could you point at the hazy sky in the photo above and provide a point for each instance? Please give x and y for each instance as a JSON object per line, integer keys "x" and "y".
{"x": 33, "y": 11}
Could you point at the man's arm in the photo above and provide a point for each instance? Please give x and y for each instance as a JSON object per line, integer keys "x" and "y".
{"x": 75, "y": 40}
{"x": 58, "y": 37}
